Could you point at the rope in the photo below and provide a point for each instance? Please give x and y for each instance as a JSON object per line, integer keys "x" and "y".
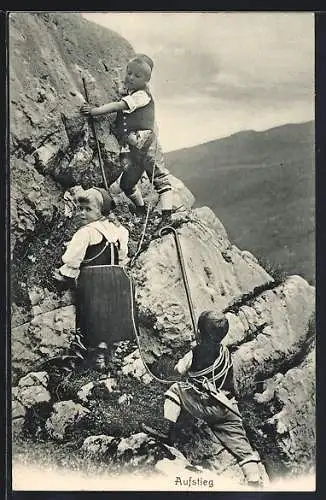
{"x": 211, "y": 389}
{"x": 141, "y": 240}
{"x": 223, "y": 361}
{"x": 224, "y": 371}
{"x": 161, "y": 380}
{"x": 142, "y": 236}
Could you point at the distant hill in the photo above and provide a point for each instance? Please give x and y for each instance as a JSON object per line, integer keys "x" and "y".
{"x": 261, "y": 185}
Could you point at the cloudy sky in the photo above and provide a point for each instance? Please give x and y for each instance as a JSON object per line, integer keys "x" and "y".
{"x": 218, "y": 73}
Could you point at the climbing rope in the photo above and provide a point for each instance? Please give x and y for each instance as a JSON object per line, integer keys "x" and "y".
{"x": 218, "y": 370}
{"x": 141, "y": 240}
{"x": 188, "y": 294}
{"x": 152, "y": 375}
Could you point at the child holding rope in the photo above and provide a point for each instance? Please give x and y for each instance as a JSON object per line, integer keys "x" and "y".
{"x": 136, "y": 132}
{"x": 209, "y": 373}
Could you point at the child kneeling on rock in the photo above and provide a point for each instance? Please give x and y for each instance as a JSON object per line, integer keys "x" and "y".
{"x": 101, "y": 241}
{"x": 135, "y": 130}
{"x": 208, "y": 394}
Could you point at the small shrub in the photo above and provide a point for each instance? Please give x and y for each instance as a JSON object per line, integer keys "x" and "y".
{"x": 274, "y": 270}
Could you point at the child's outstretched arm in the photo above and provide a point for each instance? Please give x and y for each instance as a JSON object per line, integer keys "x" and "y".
{"x": 184, "y": 364}
{"x": 111, "y": 107}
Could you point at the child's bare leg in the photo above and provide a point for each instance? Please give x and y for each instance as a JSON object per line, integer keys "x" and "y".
{"x": 166, "y": 200}
{"x": 172, "y": 409}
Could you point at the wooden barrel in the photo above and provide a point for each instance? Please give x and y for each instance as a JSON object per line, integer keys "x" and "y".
{"x": 105, "y": 304}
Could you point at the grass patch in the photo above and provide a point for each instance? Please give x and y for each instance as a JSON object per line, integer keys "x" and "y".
{"x": 36, "y": 257}
{"x": 262, "y": 437}
{"x": 276, "y": 271}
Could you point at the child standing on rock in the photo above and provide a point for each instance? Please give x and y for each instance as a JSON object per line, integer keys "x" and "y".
{"x": 98, "y": 243}
{"x": 208, "y": 394}
{"x": 136, "y": 132}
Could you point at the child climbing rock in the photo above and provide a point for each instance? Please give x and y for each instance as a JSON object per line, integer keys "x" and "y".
{"x": 208, "y": 394}
{"x": 99, "y": 242}
{"x": 135, "y": 130}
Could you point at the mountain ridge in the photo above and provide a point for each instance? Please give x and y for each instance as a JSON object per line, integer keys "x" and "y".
{"x": 244, "y": 132}
{"x": 261, "y": 185}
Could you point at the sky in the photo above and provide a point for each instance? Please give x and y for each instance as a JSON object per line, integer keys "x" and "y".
{"x": 218, "y": 73}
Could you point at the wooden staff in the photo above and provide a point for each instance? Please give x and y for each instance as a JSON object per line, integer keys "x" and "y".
{"x": 167, "y": 229}
{"x": 96, "y": 141}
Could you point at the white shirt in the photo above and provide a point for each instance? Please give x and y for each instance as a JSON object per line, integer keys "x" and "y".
{"x": 138, "y": 99}
{"x": 184, "y": 363}
{"x": 134, "y": 101}
{"x": 89, "y": 235}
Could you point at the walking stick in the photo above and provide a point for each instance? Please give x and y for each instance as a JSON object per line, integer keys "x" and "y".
{"x": 184, "y": 274}
{"x": 96, "y": 140}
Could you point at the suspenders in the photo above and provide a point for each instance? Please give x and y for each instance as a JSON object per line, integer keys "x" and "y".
{"x": 107, "y": 243}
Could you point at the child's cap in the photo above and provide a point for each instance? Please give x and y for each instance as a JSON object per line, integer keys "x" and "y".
{"x": 101, "y": 196}
{"x": 213, "y": 324}
{"x": 145, "y": 61}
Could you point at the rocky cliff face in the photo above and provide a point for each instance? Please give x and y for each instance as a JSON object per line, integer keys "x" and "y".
{"x": 51, "y": 149}
{"x": 271, "y": 333}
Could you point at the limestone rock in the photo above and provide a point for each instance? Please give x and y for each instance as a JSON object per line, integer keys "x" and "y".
{"x": 280, "y": 318}
{"x": 139, "y": 450}
{"x": 41, "y": 301}
{"x": 206, "y": 216}
{"x": 99, "y": 447}
{"x": 178, "y": 465}
{"x": 66, "y": 415}
{"x": 18, "y": 410}
{"x": 41, "y": 91}
{"x": 52, "y": 148}
{"x": 181, "y": 195}
{"x": 133, "y": 442}
{"x": 32, "y": 389}
{"x": 125, "y": 399}
{"x": 249, "y": 256}
{"x": 110, "y": 384}
{"x": 34, "y": 198}
{"x": 85, "y": 392}
{"x": 34, "y": 378}
{"x": 294, "y": 424}
{"x": 50, "y": 334}
{"x": 134, "y": 366}
{"x": 214, "y": 282}
{"x": 95, "y": 389}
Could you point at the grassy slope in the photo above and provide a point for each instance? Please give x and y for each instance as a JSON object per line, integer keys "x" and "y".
{"x": 261, "y": 185}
